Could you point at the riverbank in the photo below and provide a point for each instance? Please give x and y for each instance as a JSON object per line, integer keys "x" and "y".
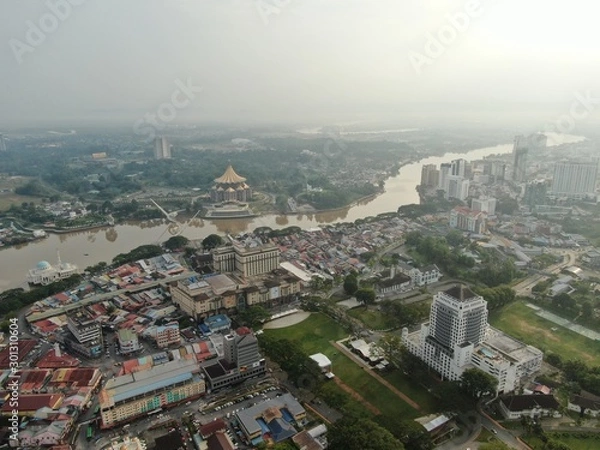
{"x": 85, "y": 248}
{"x": 78, "y": 229}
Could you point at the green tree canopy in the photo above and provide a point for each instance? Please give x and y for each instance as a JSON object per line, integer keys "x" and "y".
{"x": 412, "y": 434}
{"x": 141, "y": 252}
{"x": 476, "y": 383}
{"x": 455, "y": 238}
{"x": 451, "y": 397}
{"x": 253, "y": 316}
{"x": 361, "y": 434}
{"x": 365, "y": 296}
{"x": 211, "y": 241}
{"x": 176, "y": 242}
{"x": 350, "y": 284}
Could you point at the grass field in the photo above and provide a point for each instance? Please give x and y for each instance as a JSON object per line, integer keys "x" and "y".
{"x": 372, "y": 319}
{"x": 521, "y": 322}
{"x": 314, "y": 335}
{"x": 9, "y": 197}
{"x": 574, "y": 442}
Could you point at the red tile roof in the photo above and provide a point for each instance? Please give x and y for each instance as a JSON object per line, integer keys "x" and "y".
{"x": 62, "y": 297}
{"x": 33, "y": 402}
{"x": 212, "y": 427}
{"x": 25, "y": 347}
{"x": 51, "y": 361}
{"x": 33, "y": 379}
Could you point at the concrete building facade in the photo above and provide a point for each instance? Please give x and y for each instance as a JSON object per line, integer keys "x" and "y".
{"x": 574, "y": 179}
{"x": 458, "y": 338}
{"x": 162, "y": 149}
{"x": 130, "y": 396}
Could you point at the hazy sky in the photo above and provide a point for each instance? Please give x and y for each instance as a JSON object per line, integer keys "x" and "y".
{"x": 300, "y": 60}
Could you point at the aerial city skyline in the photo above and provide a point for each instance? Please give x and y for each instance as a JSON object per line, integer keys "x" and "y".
{"x": 270, "y": 224}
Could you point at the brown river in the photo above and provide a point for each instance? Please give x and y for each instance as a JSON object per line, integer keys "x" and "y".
{"x": 90, "y": 247}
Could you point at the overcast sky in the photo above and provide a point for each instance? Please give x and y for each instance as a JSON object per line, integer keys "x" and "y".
{"x": 304, "y": 60}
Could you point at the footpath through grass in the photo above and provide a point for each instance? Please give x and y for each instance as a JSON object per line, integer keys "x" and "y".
{"x": 375, "y": 320}
{"x": 315, "y": 333}
{"x": 521, "y": 322}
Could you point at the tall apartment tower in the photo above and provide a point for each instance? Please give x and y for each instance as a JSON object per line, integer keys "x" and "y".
{"x": 445, "y": 172}
{"x": 575, "y": 179}
{"x": 430, "y": 175}
{"x": 162, "y": 149}
{"x": 522, "y": 147}
{"x": 457, "y": 323}
{"x": 458, "y": 188}
{"x": 458, "y": 316}
{"x": 2, "y": 143}
{"x": 457, "y": 338}
{"x": 458, "y": 168}
{"x": 520, "y": 153}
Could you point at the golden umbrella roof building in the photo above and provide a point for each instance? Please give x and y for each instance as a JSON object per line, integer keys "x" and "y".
{"x": 230, "y": 187}
{"x": 230, "y": 177}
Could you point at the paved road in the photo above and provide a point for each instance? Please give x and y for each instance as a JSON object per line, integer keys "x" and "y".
{"x": 502, "y": 433}
{"x": 467, "y": 438}
{"x": 523, "y": 288}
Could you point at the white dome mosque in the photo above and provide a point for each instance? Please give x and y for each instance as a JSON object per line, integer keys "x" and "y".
{"x": 45, "y": 273}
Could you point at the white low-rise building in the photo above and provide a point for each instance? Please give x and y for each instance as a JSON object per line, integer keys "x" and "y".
{"x": 423, "y": 276}
{"x": 585, "y": 404}
{"x": 324, "y": 364}
{"x": 535, "y": 406}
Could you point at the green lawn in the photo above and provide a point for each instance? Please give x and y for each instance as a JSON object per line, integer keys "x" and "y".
{"x": 574, "y": 441}
{"x": 374, "y": 320}
{"x": 418, "y": 393}
{"x": 578, "y": 442}
{"x": 521, "y": 322}
{"x": 8, "y": 199}
{"x": 314, "y": 335}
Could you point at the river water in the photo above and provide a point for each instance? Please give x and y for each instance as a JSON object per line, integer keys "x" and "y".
{"x": 86, "y": 248}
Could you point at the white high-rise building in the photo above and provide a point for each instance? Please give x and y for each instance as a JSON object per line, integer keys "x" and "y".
{"x": 576, "y": 179}
{"x": 458, "y": 168}
{"x": 162, "y": 149}
{"x": 445, "y": 172}
{"x": 485, "y": 204}
{"x": 458, "y": 338}
{"x": 458, "y": 188}
{"x": 2, "y": 143}
{"x": 520, "y": 153}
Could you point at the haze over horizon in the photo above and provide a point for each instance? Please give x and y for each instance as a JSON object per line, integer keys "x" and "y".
{"x": 310, "y": 61}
